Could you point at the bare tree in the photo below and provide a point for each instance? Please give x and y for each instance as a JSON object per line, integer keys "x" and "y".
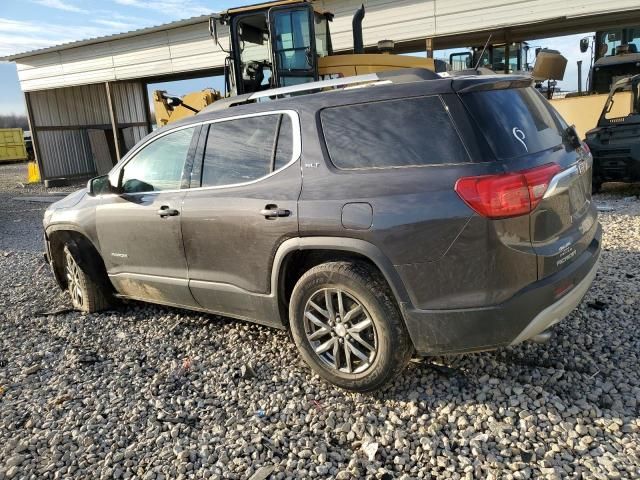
{"x": 14, "y": 121}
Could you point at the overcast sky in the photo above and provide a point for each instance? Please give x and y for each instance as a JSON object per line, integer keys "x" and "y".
{"x": 31, "y": 24}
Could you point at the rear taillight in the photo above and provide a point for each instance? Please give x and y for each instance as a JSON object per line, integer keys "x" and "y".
{"x": 506, "y": 195}
{"x": 586, "y": 148}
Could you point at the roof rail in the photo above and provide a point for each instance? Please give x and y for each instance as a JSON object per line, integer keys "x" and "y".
{"x": 306, "y": 87}
{"x": 381, "y": 78}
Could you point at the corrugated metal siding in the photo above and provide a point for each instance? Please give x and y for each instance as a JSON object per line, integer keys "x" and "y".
{"x": 176, "y": 50}
{"x": 190, "y": 48}
{"x": 61, "y": 118}
{"x": 130, "y": 102}
{"x": 65, "y": 153}
{"x": 83, "y": 105}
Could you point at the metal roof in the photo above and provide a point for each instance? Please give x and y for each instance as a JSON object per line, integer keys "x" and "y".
{"x": 141, "y": 31}
{"x": 108, "y": 38}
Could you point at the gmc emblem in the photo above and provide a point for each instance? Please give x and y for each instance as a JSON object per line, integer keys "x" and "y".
{"x": 582, "y": 167}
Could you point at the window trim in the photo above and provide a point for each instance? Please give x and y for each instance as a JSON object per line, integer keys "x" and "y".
{"x": 296, "y": 149}
{"x": 394, "y": 167}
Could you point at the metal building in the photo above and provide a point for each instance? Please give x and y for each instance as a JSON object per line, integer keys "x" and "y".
{"x": 87, "y": 100}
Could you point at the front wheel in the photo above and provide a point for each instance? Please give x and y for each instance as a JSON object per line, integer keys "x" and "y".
{"x": 347, "y": 327}
{"x": 86, "y": 294}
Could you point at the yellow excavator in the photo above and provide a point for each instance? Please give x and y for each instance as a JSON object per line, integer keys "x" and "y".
{"x": 279, "y": 44}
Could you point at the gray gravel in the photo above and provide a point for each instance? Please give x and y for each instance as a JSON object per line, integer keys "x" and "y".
{"x": 21, "y": 221}
{"x": 150, "y": 392}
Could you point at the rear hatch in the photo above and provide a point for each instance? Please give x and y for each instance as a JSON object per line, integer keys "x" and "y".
{"x": 528, "y": 135}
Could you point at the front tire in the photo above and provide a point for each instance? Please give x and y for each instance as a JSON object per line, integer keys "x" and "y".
{"x": 347, "y": 327}
{"x": 86, "y": 294}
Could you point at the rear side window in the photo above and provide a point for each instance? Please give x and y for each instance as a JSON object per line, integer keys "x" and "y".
{"x": 515, "y": 121}
{"x": 392, "y": 133}
{"x": 246, "y": 149}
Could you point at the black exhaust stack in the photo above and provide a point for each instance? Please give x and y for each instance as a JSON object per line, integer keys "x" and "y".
{"x": 356, "y": 26}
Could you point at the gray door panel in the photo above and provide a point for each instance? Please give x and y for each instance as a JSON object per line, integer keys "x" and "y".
{"x": 230, "y": 244}
{"x": 143, "y": 251}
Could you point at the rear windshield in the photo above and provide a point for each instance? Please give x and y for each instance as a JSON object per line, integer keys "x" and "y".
{"x": 515, "y": 121}
{"x": 392, "y": 133}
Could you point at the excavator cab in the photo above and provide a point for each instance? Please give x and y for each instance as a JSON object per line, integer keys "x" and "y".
{"x": 499, "y": 57}
{"x": 282, "y": 44}
{"x": 275, "y": 45}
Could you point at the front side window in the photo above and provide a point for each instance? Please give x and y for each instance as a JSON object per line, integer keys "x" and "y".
{"x": 159, "y": 165}
{"x": 246, "y": 149}
{"x": 392, "y": 133}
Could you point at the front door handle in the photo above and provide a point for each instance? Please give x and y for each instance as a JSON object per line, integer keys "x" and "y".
{"x": 165, "y": 211}
{"x": 272, "y": 211}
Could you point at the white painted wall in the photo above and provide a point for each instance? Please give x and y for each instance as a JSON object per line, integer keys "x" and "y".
{"x": 190, "y": 48}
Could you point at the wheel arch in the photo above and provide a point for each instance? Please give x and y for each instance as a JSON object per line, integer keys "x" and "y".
{"x": 83, "y": 249}
{"x": 297, "y": 255}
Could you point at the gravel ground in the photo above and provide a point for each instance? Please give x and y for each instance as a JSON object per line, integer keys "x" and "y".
{"x": 152, "y": 392}
{"x": 20, "y": 221}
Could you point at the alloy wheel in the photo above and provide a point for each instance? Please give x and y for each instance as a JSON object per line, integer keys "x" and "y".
{"x": 73, "y": 280}
{"x": 340, "y": 331}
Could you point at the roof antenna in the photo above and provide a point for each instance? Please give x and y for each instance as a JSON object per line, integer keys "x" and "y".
{"x": 486, "y": 44}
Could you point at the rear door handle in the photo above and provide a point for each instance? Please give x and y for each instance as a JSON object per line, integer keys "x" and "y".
{"x": 165, "y": 211}
{"x": 272, "y": 211}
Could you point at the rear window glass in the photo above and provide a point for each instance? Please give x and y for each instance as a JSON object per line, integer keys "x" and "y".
{"x": 515, "y": 121}
{"x": 392, "y": 133}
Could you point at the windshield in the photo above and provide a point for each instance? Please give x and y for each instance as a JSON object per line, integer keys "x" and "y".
{"x": 610, "y": 40}
{"x": 515, "y": 121}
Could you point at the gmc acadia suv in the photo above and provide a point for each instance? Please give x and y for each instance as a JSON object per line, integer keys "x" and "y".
{"x": 405, "y": 213}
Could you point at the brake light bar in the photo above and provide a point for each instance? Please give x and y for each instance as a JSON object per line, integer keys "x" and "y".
{"x": 508, "y": 194}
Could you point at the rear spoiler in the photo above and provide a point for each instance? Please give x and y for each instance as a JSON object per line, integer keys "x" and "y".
{"x": 490, "y": 82}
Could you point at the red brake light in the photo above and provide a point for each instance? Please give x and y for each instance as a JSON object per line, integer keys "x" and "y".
{"x": 506, "y": 195}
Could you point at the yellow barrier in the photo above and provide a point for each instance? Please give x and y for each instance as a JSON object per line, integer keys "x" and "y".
{"x": 33, "y": 173}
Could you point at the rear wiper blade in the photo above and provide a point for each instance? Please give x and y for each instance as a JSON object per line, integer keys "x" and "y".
{"x": 570, "y": 135}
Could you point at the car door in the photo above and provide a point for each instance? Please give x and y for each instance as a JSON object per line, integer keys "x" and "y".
{"x": 245, "y": 206}
{"x": 139, "y": 229}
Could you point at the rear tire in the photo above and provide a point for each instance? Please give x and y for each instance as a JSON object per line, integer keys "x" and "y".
{"x": 86, "y": 294}
{"x": 347, "y": 327}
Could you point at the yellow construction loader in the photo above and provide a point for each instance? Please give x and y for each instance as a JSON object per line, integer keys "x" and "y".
{"x": 284, "y": 43}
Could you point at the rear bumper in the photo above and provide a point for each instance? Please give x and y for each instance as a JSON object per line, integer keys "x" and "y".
{"x": 531, "y": 311}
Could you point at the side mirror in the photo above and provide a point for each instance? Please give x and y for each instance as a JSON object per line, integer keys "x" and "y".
{"x": 584, "y": 44}
{"x": 99, "y": 185}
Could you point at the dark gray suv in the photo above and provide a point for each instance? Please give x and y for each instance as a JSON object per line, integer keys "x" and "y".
{"x": 395, "y": 215}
